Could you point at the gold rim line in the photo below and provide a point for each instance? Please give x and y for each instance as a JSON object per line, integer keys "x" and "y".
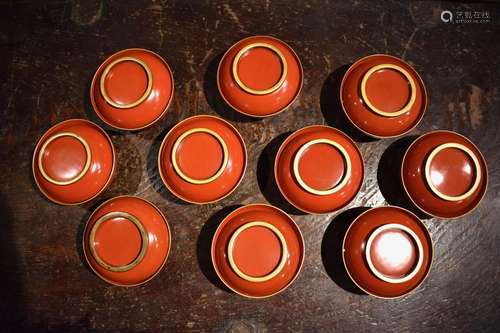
{"x": 470, "y": 154}
{"x": 86, "y": 167}
{"x": 141, "y": 99}
{"x": 345, "y": 177}
{"x": 219, "y": 172}
{"x": 420, "y": 249}
{"x": 276, "y": 86}
{"x": 408, "y": 77}
{"x": 284, "y": 252}
{"x": 144, "y": 241}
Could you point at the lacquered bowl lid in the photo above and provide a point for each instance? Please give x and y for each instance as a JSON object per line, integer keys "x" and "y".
{"x": 383, "y": 96}
{"x": 257, "y": 251}
{"x": 132, "y": 89}
{"x": 126, "y": 241}
{"x": 73, "y": 162}
{"x": 444, "y": 174}
{"x": 319, "y": 169}
{"x": 260, "y": 76}
{"x": 387, "y": 252}
{"x": 202, "y": 159}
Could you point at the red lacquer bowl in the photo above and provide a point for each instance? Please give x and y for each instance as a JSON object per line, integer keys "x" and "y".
{"x": 73, "y": 162}
{"x": 444, "y": 174}
{"x": 319, "y": 169}
{"x": 260, "y": 76}
{"x": 126, "y": 241}
{"x": 387, "y": 252}
{"x": 257, "y": 251}
{"x": 132, "y": 89}
{"x": 383, "y": 96}
{"x": 202, "y": 159}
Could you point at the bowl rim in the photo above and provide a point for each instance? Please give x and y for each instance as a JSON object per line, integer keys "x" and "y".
{"x": 302, "y": 254}
{"x": 169, "y": 232}
{"x": 278, "y": 154}
{"x": 162, "y": 147}
{"x": 94, "y": 80}
{"x": 486, "y": 174}
{"x": 431, "y": 256}
{"x": 297, "y": 94}
{"x": 108, "y": 181}
{"x": 424, "y": 110}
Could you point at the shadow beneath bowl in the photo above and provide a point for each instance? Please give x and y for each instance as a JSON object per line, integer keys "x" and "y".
{"x": 331, "y": 106}
{"x": 214, "y": 98}
{"x": 204, "y": 246}
{"x": 266, "y": 179}
{"x": 331, "y": 249}
{"x": 154, "y": 173}
{"x": 389, "y": 176}
{"x": 80, "y": 231}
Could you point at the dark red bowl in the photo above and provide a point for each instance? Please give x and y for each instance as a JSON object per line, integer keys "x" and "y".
{"x": 383, "y": 96}
{"x": 387, "y": 252}
{"x": 73, "y": 162}
{"x": 257, "y": 251}
{"x": 202, "y": 159}
{"x": 132, "y": 89}
{"x": 127, "y": 241}
{"x": 319, "y": 169}
{"x": 260, "y": 76}
{"x": 444, "y": 174}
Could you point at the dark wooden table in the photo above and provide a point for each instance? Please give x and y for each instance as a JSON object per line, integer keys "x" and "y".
{"x": 48, "y": 54}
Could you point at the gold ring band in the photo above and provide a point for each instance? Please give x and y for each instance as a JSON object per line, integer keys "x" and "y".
{"x": 77, "y": 177}
{"x": 276, "y": 86}
{"x": 469, "y": 153}
{"x": 408, "y": 231}
{"x": 345, "y": 178}
{"x": 141, "y": 99}
{"x": 221, "y": 168}
{"x": 408, "y": 77}
{"x": 284, "y": 252}
{"x": 144, "y": 241}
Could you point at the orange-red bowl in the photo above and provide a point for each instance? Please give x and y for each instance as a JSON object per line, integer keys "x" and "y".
{"x": 260, "y": 76}
{"x": 383, "y": 96}
{"x": 202, "y": 159}
{"x": 387, "y": 252}
{"x": 444, "y": 174}
{"x": 73, "y": 162}
{"x": 319, "y": 169}
{"x": 257, "y": 251}
{"x": 132, "y": 89}
{"x": 126, "y": 241}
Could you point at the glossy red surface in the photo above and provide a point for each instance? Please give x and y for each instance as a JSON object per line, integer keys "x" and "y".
{"x": 200, "y": 158}
{"x": 65, "y": 157}
{"x": 125, "y": 83}
{"x": 393, "y": 253}
{"x": 321, "y": 166}
{"x": 118, "y": 241}
{"x": 200, "y": 149}
{"x": 354, "y": 252}
{"x": 256, "y": 260}
{"x": 260, "y": 261}
{"x": 388, "y": 90}
{"x": 451, "y": 169}
{"x": 320, "y": 171}
{"x": 260, "y": 68}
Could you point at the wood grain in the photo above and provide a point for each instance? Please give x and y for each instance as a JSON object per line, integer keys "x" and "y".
{"x": 48, "y": 53}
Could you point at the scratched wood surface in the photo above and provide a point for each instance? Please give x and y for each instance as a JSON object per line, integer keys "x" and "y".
{"x": 48, "y": 53}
